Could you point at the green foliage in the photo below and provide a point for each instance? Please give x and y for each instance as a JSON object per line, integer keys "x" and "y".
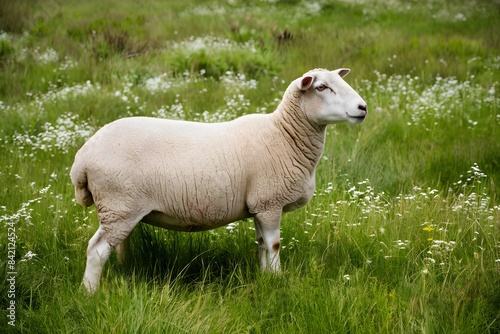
{"x": 214, "y": 56}
{"x": 401, "y": 235}
{"x": 14, "y": 15}
{"x": 6, "y": 48}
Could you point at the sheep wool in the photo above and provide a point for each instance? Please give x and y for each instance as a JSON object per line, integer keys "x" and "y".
{"x": 190, "y": 176}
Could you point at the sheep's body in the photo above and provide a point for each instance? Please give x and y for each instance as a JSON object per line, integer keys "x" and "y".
{"x": 191, "y": 176}
{"x": 178, "y": 187}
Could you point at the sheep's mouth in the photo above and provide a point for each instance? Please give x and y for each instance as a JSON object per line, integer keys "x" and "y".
{"x": 360, "y": 117}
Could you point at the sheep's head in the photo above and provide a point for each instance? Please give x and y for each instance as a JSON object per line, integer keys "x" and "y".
{"x": 327, "y": 98}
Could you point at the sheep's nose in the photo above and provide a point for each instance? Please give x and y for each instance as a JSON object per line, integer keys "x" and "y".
{"x": 363, "y": 108}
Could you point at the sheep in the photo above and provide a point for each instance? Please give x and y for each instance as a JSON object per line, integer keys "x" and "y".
{"x": 190, "y": 176}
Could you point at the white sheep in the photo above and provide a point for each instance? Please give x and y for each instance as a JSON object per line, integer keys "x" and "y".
{"x": 190, "y": 176}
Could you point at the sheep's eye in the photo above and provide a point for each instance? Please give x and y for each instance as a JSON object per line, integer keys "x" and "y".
{"x": 323, "y": 87}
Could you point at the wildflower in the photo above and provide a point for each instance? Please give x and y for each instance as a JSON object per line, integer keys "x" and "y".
{"x": 211, "y": 45}
{"x": 59, "y": 136}
{"x": 237, "y": 82}
{"x": 401, "y": 244}
{"x": 47, "y": 57}
{"x": 28, "y": 256}
{"x": 231, "y": 226}
{"x": 158, "y": 84}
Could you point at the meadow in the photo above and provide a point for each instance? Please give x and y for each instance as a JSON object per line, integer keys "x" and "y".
{"x": 401, "y": 236}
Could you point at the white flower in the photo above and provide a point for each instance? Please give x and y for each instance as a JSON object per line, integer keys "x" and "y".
{"x": 28, "y": 256}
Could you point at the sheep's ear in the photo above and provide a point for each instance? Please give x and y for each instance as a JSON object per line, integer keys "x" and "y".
{"x": 343, "y": 72}
{"x": 305, "y": 82}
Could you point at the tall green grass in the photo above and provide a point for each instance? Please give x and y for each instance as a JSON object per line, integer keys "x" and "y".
{"x": 402, "y": 235}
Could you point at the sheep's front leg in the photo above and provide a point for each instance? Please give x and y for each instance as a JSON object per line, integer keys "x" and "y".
{"x": 267, "y": 230}
{"x": 262, "y": 246}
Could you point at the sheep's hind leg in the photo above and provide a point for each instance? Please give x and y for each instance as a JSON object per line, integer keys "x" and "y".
{"x": 98, "y": 253}
{"x": 114, "y": 230}
{"x": 123, "y": 250}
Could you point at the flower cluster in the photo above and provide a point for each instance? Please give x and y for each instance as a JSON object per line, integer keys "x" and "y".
{"x": 69, "y": 91}
{"x": 205, "y": 10}
{"x": 426, "y": 106}
{"x": 28, "y": 256}
{"x": 473, "y": 177}
{"x": 456, "y": 11}
{"x": 173, "y": 111}
{"x": 23, "y": 214}
{"x": 295, "y": 12}
{"x": 45, "y": 57}
{"x": 61, "y": 136}
{"x": 361, "y": 196}
{"x": 211, "y": 44}
{"x": 235, "y": 82}
{"x": 65, "y": 65}
{"x": 160, "y": 83}
{"x": 235, "y": 106}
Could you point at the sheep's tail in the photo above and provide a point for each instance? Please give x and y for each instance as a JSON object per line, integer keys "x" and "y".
{"x": 78, "y": 176}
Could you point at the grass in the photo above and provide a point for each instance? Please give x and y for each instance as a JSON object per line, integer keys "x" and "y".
{"x": 402, "y": 235}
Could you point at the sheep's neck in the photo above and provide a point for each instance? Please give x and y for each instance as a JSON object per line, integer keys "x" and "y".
{"x": 305, "y": 138}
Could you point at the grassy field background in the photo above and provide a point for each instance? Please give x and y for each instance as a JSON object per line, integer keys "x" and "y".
{"x": 402, "y": 235}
